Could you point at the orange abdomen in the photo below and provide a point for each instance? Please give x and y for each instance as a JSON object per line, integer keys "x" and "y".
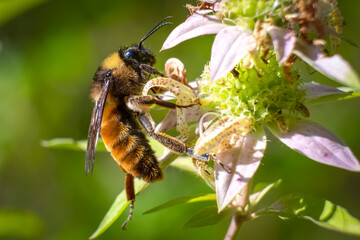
{"x": 124, "y": 139}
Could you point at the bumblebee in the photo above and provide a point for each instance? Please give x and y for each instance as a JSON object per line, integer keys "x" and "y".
{"x": 119, "y": 115}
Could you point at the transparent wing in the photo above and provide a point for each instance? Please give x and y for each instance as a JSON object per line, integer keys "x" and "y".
{"x": 94, "y": 128}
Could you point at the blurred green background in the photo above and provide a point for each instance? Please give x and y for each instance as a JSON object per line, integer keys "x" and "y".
{"x": 49, "y": 51}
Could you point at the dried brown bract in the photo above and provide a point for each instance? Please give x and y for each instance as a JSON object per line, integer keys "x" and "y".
{"x": 202, "y": 5}
{"x": 305, "y": 13}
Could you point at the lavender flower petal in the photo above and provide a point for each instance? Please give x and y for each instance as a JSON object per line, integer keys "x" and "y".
{"x": 318, "y": 143}
{"x": 315, "y": 91}
{"x": 334, "y": 67}
{"x": 243, "y": 159}
{"x": 229, "y": 47}
{"x": 170, "y": 121}
{"x": 194, "y": 26}
{"x": 283, "y": 41}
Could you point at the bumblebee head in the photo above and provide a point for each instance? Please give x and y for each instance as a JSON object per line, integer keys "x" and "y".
{"x": 122, "y": 69}
{"x": 136, "y": 55}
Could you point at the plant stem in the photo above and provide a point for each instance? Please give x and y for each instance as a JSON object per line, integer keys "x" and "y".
{"x": 239, "y": 216}
{"x": 234, "y": 227}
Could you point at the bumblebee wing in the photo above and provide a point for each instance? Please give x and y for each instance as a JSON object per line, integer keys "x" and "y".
{"x": 94, "y": 128}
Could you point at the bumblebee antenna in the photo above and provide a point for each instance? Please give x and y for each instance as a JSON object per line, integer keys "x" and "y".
{"x": 154, "y": 29}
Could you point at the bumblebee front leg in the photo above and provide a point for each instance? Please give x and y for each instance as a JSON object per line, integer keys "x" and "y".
{"x": 151, "y": 70}
{"x": 140, "y": 103}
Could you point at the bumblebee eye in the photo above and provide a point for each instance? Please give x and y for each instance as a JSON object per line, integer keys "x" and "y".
{"x": 108, "y": 74}
{"x": 129, "y": 53}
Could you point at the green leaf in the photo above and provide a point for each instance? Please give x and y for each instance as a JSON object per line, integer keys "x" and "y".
{"x": 320, "y": 211}
{"x": 20, "y": 224}
{"x": 71, "y": 144}
{"x": 117, "y": 208}
{"x": 207, "y": 216}
{"x": 120, "y": 203}
{"x": 184, "y": 163}
{"x": 183, "y": 200}
{"x": 80, "y": 145}
{"x": 262, "y": 191}
{"x": 158, "y": 148}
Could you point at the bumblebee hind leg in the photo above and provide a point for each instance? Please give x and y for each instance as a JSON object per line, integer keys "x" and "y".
{"x": 130, "y": 194}
{"x": 140, "y": 104}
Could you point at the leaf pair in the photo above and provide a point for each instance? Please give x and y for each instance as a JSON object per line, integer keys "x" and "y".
{"x": 320, "y": 211}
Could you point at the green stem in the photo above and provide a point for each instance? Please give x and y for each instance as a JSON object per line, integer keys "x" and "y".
{"x": 239, "y": 216}
{"x": 234, "y": 227}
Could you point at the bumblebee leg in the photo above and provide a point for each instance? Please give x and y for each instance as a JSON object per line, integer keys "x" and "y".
{"x": 171, "y": 143}
{"x": 206, "y": 157}
{"x": 151, "y": 70}
{"x": 139, "y": 103}
{"x": 130, "y": 194}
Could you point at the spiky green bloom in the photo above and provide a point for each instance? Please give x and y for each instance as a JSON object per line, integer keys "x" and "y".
{"x": 260, "y": 93}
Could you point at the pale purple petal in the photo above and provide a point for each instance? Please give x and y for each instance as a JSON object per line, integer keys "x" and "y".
{"x": 319, "y": 144}
{"x": 229, "y": 47}
{"x": 315, "y": 90}
{"x": 242, "y": 159}
{"x": 283, "y": 41}
{"x": 334, "y": 67}
{"x": 170, "y": 121}
{"x": 308, "y": 51}
{"x": 194, "y": 26}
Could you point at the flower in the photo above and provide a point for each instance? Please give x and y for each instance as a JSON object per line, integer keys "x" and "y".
{"x": 253, "y": 83}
